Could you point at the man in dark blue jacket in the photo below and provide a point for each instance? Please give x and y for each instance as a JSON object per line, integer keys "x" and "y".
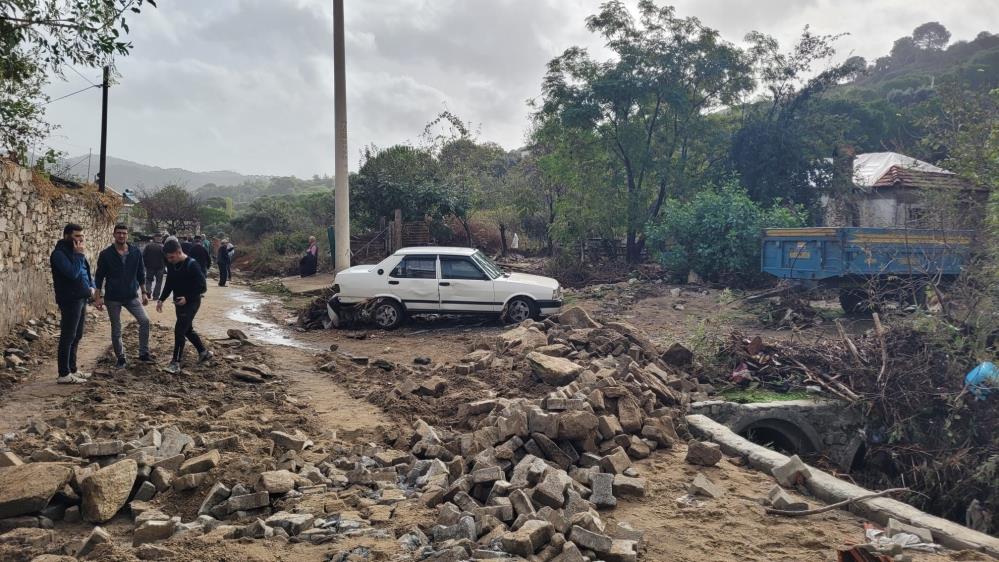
{"x": 73, "y": 288}
{"x": 121, "y": 275}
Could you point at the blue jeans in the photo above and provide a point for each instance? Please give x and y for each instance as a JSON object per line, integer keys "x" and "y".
{"x": 73, "y": 316}
{"x": 136, "y": 309}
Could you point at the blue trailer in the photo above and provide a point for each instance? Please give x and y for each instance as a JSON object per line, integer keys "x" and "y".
{"x": 856, "y": 259}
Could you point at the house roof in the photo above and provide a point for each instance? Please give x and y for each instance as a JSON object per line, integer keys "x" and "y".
{"x": 897, "y": 176}
{"x": 891, "y": 169}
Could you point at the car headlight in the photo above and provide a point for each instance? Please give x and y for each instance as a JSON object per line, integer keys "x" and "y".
{"x": 557, "y": 293}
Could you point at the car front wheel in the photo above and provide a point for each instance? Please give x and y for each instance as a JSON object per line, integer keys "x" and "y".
{"x": 519, "y": 309}
{"x": 388, "y": 314}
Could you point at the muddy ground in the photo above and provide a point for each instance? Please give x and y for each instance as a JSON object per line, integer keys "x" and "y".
{"x": 349, "y": 409}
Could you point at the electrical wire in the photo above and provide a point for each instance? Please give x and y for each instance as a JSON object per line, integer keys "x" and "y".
{"x": 78, "y": 73}
{"x": 72, "y": 94}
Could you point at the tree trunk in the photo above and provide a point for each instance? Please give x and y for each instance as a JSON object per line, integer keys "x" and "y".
{"x": 468, "y": 232}
{"x": 502, "y": 229}
{"x": 633, "y": 251}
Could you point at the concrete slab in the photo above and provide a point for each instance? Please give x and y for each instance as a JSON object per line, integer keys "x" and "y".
{"x": 308, "y": 285}
{"x": 831, "y": 489}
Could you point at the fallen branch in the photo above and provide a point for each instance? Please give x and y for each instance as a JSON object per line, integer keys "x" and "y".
{"x": 848, "y": 342}
{"x": 880, "y": 331}
{"x": 832, "y": 506}
{"x": 829, "y": 384}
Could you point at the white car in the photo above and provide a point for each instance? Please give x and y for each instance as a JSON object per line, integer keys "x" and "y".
{"x": 439, "y": 280}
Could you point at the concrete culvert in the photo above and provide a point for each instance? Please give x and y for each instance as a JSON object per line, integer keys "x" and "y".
{"x": 780, "y": 435}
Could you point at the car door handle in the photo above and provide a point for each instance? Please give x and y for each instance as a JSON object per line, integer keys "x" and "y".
{"x": 444, "y": 284}
{"x": 393, "y": 282}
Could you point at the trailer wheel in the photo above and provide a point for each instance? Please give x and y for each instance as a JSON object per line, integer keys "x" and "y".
{"x": 854, "y": 301}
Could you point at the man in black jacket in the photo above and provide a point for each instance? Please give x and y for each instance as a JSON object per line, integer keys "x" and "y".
{"x": 200, "y": 254}
{"x": 186, "y": 281}
{"x": 73, "y": 288}
{"x": 226, "y": 251}
{"x": 155, "y": 263}
{"x": 122, "y": 267}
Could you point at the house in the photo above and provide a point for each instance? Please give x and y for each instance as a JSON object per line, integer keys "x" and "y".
{"x": 891, "y": 190}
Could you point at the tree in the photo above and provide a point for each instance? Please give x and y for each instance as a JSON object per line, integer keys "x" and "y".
{"x": 717, "y": 233}
{"x": 931, "y": 36}
{"x": 783, "y": 138}
{"x": 904, "y": 51}
{"x": 172, "y": 208}
{"x": 648, "y": 105}
{"x": 40, "y": 37}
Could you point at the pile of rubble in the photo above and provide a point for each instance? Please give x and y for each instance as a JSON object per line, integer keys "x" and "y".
{"x": 221, "y": 452}
{"x": 529, "y": 476}
{"x": 22, "y": 348}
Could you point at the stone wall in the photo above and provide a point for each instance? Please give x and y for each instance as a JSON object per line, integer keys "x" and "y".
{"x": 33, "y": 212}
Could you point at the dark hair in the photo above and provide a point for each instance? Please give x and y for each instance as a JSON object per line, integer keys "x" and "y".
{"x": 171, "y": 247}
{"x": 121, "y": 227}
{"x": 198, "y": 237}
{"x": 71, "y": 228}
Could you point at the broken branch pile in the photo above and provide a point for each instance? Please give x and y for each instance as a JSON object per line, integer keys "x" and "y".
{"x": 924, "y": 432}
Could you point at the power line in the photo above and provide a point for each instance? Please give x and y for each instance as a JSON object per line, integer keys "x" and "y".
{"x": 78, "y": 73}
{"x": 72, "y": 94}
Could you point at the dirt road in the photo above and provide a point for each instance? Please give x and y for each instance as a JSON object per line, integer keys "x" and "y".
{"x": 223, "y": 308}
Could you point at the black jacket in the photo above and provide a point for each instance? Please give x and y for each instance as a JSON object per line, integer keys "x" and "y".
{"x": 123, "y": 279}
{"x": 201, "y": 255}
{"x": 71, "y": 277}
{"x": 152, "y": 256}
{"x": 184, "y": 279}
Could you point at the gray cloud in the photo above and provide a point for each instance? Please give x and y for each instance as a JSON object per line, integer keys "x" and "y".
{"x": 247, "y": 84}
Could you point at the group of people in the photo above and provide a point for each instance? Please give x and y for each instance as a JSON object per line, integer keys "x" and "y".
{"x": 127, "y": 278}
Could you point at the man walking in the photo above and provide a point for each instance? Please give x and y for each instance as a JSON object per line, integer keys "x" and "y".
{"x": 155, "y": 263}
{"x": 186, "y": 281}
{"x": 200, "y": 254}
{"x": 74, "y": 286}
{"x": 121, "y": 265}
{"x": 226, "y": 251}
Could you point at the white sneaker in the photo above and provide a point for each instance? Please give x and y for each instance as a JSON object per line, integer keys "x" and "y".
{"x": 82, "y": 375}
{"x": 173, "y": 368}
{"x": 71, "y": 379}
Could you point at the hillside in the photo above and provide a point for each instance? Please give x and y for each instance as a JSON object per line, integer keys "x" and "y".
{"x": 125, "y": 174}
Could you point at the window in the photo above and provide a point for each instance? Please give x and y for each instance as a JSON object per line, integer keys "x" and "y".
{"x": 487, "y": 265}
{"x": 460, "y": 268}
{"x": 416, "y": 267}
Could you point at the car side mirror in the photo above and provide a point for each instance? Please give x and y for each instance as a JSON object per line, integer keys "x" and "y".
{"x": 381, "y": 271}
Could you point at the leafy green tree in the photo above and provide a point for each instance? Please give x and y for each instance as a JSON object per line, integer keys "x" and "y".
{"x": 717, "y": 233}
{"x": 649, "y": 104}
{"x": 37, "y": 39}
{"x": 264, "y": 216}
{"x": 932, "y": 35}
{"x": 784, "y": 137}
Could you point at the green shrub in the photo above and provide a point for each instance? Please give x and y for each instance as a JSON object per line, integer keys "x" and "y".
{"x": 717, "y": 233}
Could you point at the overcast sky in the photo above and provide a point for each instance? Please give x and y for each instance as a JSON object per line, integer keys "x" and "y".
{"x": 247, "y": 85}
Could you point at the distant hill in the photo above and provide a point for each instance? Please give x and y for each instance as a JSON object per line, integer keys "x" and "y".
{"x": 124, "y": 174}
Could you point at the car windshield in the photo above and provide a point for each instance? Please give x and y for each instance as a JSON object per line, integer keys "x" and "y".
{"x": 487, "y": 265}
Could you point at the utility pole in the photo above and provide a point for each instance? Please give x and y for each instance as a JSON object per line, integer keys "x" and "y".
{"x": 102, "y": 181}
{"x": 341, "y": 197}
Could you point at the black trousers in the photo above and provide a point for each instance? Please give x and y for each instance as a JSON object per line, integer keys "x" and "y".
{"x": 73, "y": 316}
{"x": 224, "y": 273}
{"x": 183, "y": 330}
